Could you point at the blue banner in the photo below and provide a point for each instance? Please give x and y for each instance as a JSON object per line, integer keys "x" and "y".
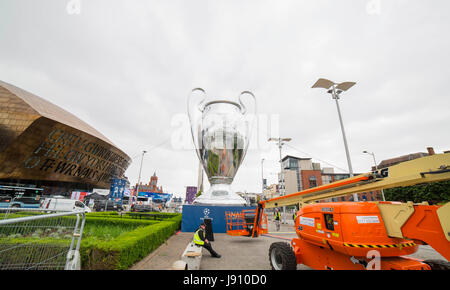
{"x": 163, "y": 197}
{"x": 117, "y": 189}
{"x": 193, "y": 216}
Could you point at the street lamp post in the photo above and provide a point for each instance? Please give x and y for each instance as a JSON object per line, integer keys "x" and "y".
{"x": 280, "y": 142}
{"x": 335, "y": 90}
{"x": 376, "y": 168}
{"x": 139, "y": 180}
{"x": 262, "y": 177}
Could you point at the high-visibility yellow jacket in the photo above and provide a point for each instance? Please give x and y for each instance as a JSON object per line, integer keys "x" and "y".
{"x": 197, "y": 239}
{"x": 277, "y": 216}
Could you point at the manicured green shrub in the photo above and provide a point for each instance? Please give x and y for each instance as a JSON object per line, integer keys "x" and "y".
{"x": 110, "y": 214}
{"x": 435, "y": 193}
{"x": 125, "y": 250}
{"x": 109, "y": 241}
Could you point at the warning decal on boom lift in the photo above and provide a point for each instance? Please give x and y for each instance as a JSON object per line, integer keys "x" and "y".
{"x": 367, "y": 219}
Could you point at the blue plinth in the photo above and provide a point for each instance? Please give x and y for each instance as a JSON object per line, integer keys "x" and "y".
{"x": 193, "y": 216}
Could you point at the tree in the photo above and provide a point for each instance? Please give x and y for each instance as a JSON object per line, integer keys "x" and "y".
{"x": 436, "y": 192}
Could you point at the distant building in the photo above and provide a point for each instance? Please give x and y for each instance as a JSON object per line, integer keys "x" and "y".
{"x": 301, "y": 173}
{"x": 397, "y": 160}
{"x": 251, "y": 198}
{"x": 152, "y": 186}
{"x": 271, "y": 191}
{"x": 46, "y": 147}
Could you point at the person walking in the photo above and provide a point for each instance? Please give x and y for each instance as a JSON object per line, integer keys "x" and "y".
{"x": 277, "y": 219}
{"x": 200, "y": 240}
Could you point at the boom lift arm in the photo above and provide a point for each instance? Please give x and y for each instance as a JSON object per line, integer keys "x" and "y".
{"x": 422, "y": 223}
{"x": 423, "y": 170}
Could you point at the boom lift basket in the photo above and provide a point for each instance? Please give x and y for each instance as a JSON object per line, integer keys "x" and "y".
{"x": 244, "y": 223}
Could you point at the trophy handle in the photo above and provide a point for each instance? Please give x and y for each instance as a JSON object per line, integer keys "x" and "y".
{"x": 243, "y": 107}
{"x": 250, "y": 118}
{"x": 201, "y": 104}
{"x": 195, "y": 107}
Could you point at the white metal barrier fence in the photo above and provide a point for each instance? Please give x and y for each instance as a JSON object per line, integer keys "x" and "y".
{"x": 36, "y": 241}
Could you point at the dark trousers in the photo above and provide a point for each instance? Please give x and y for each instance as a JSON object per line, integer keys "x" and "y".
{"x": 210, "y": 249}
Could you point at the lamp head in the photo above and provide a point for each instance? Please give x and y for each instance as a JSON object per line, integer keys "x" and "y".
{"x": 324, "y": 84}
{"x": 345, "y": 86}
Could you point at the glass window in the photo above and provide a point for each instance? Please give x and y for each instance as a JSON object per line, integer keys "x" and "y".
{"x": 27, "y": 200}
{"x": 312, "y": 181}
{"x": 293, "y": 163}
{"x": 5, "y": 199}
{"x": 329, "y": 222}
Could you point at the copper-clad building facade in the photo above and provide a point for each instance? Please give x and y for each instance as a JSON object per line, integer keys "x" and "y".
{"x": 44, "y": 144}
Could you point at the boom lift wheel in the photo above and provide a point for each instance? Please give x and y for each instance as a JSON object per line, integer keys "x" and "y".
{"x": 282, "y": 257}
{"x": 438, "y": 264}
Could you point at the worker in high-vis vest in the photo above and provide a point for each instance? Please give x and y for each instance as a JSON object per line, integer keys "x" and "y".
{"x": 277, "y": 219}
{"x": 201, "y": 241}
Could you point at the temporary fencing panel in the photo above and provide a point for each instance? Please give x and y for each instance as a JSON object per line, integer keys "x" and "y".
{"x": 36, "y": 241}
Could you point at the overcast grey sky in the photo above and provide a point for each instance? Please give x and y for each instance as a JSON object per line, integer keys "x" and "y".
{"x": 126, "y": 68}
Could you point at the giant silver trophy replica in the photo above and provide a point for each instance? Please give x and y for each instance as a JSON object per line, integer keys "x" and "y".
{"x": 221, "y": 130}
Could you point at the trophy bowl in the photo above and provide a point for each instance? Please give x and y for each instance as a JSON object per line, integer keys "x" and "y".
{"x": 221, "y": 132}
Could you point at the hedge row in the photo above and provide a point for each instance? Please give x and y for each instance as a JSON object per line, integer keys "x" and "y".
{"x": 119, "y": 252}
{"x": 127, "y": 249}
{"x": 59, "y": 227}
{"x": 129, "y": 215}
{"x": 104, "y": 214}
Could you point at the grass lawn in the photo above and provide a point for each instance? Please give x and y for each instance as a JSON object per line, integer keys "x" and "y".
{"x": 109, "y": 241}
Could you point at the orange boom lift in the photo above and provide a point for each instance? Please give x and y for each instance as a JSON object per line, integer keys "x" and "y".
{"x": 246, "y": 223}
{"x": 363, "y": 235}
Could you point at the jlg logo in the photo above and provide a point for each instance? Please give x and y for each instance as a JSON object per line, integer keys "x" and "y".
{"x": 383, "y": 173}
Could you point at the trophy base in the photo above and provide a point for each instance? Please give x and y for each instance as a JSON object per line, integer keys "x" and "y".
{"x": 220, "y": 194}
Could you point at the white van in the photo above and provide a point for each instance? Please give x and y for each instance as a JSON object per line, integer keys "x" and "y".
{"x": 59, "y": 204}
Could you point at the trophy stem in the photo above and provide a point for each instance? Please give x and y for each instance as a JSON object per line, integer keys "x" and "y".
{"x": 220, "y": 194}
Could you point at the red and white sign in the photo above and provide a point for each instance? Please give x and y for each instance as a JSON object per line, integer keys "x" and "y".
{"x": 78, "y": 195}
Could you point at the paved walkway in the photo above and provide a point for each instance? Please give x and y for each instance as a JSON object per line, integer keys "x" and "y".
{"x": 238, "y": 253}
